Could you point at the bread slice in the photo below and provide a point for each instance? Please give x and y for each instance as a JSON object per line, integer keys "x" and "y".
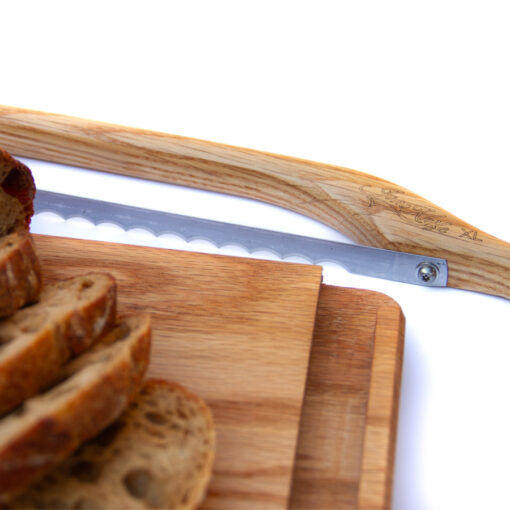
{"x": 20, "y": 272}
{"x": 17, "y": 192}
{"x": 159, "y": 454}
{"x": 38, "y": 339}
{"x": 93, "y": 391}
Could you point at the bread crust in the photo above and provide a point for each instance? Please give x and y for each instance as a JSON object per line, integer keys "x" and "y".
{"x": 16, "y": 181}
{"x": 20, "y": 272}
{"x": 27, "y": 368}
{"x": 95, "y": 395}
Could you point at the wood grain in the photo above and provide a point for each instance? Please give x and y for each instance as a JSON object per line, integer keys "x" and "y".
{"x": 235, "y": 331}
{"x": 348, "y": 429}
{"x": 368, "y": 209}
{"x": 347, "y": 432}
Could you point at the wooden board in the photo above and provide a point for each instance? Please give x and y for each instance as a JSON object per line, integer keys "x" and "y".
{"x": 236, "y": 331}
{"x": 348, "y": 428}
{"x": 344, "y": 453}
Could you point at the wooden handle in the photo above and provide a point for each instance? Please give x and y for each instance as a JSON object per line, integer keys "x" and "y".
{"x": 370, "y": 210}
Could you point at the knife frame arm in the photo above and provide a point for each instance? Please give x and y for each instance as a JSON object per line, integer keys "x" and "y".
{"x": 369, "y": 210}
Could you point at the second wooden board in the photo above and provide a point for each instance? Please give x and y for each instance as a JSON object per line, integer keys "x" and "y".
{"x": 348, "y": 428}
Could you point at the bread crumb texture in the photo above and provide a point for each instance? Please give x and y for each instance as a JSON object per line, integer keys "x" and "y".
{"x": 159, "y": 454}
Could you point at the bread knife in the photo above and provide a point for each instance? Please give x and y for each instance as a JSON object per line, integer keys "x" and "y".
{"x": 371, "y": 211}
{"x": 374, "y": 262}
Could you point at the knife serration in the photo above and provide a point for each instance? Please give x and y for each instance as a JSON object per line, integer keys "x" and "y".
{"x": 368, "y": 261}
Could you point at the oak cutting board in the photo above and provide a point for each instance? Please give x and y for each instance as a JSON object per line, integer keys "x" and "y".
{"x": 238, "y": 331}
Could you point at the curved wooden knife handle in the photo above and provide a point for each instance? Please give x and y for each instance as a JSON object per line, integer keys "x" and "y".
{"x": 370, "y": 210}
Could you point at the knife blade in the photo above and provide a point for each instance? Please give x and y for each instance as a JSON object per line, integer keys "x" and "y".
{"x": 367, "y": 261}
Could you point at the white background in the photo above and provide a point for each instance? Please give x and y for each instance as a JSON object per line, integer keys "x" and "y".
{"x": 413, "y": 92}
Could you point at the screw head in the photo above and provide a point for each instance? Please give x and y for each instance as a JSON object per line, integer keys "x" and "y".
{"x": 427, "y": 272}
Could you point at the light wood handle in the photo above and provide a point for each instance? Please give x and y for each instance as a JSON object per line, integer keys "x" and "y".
{"x": 369, "y": 210}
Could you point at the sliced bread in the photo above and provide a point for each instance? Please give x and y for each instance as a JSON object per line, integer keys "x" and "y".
{"x": 17, "y": 192}
{"x": 93, "y": 391}
{"x": 159, "y": 454}
{"x": 20, "y": 272}
{"x": 34, "y": 342}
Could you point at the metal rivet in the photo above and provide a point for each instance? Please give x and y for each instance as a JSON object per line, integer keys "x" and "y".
{"x": 427, "y": 272}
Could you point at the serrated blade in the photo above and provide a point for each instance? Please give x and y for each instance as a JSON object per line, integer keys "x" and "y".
{"x": 363, "y": 260}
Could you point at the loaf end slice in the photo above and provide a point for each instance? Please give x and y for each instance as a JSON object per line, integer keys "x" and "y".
{"x": 17, "y": 192}
{"x": 159, "y": 454}
{"x": 36, "y": 340}
{"x": 94, "y": 389}
{"x": 20, "y": 272}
